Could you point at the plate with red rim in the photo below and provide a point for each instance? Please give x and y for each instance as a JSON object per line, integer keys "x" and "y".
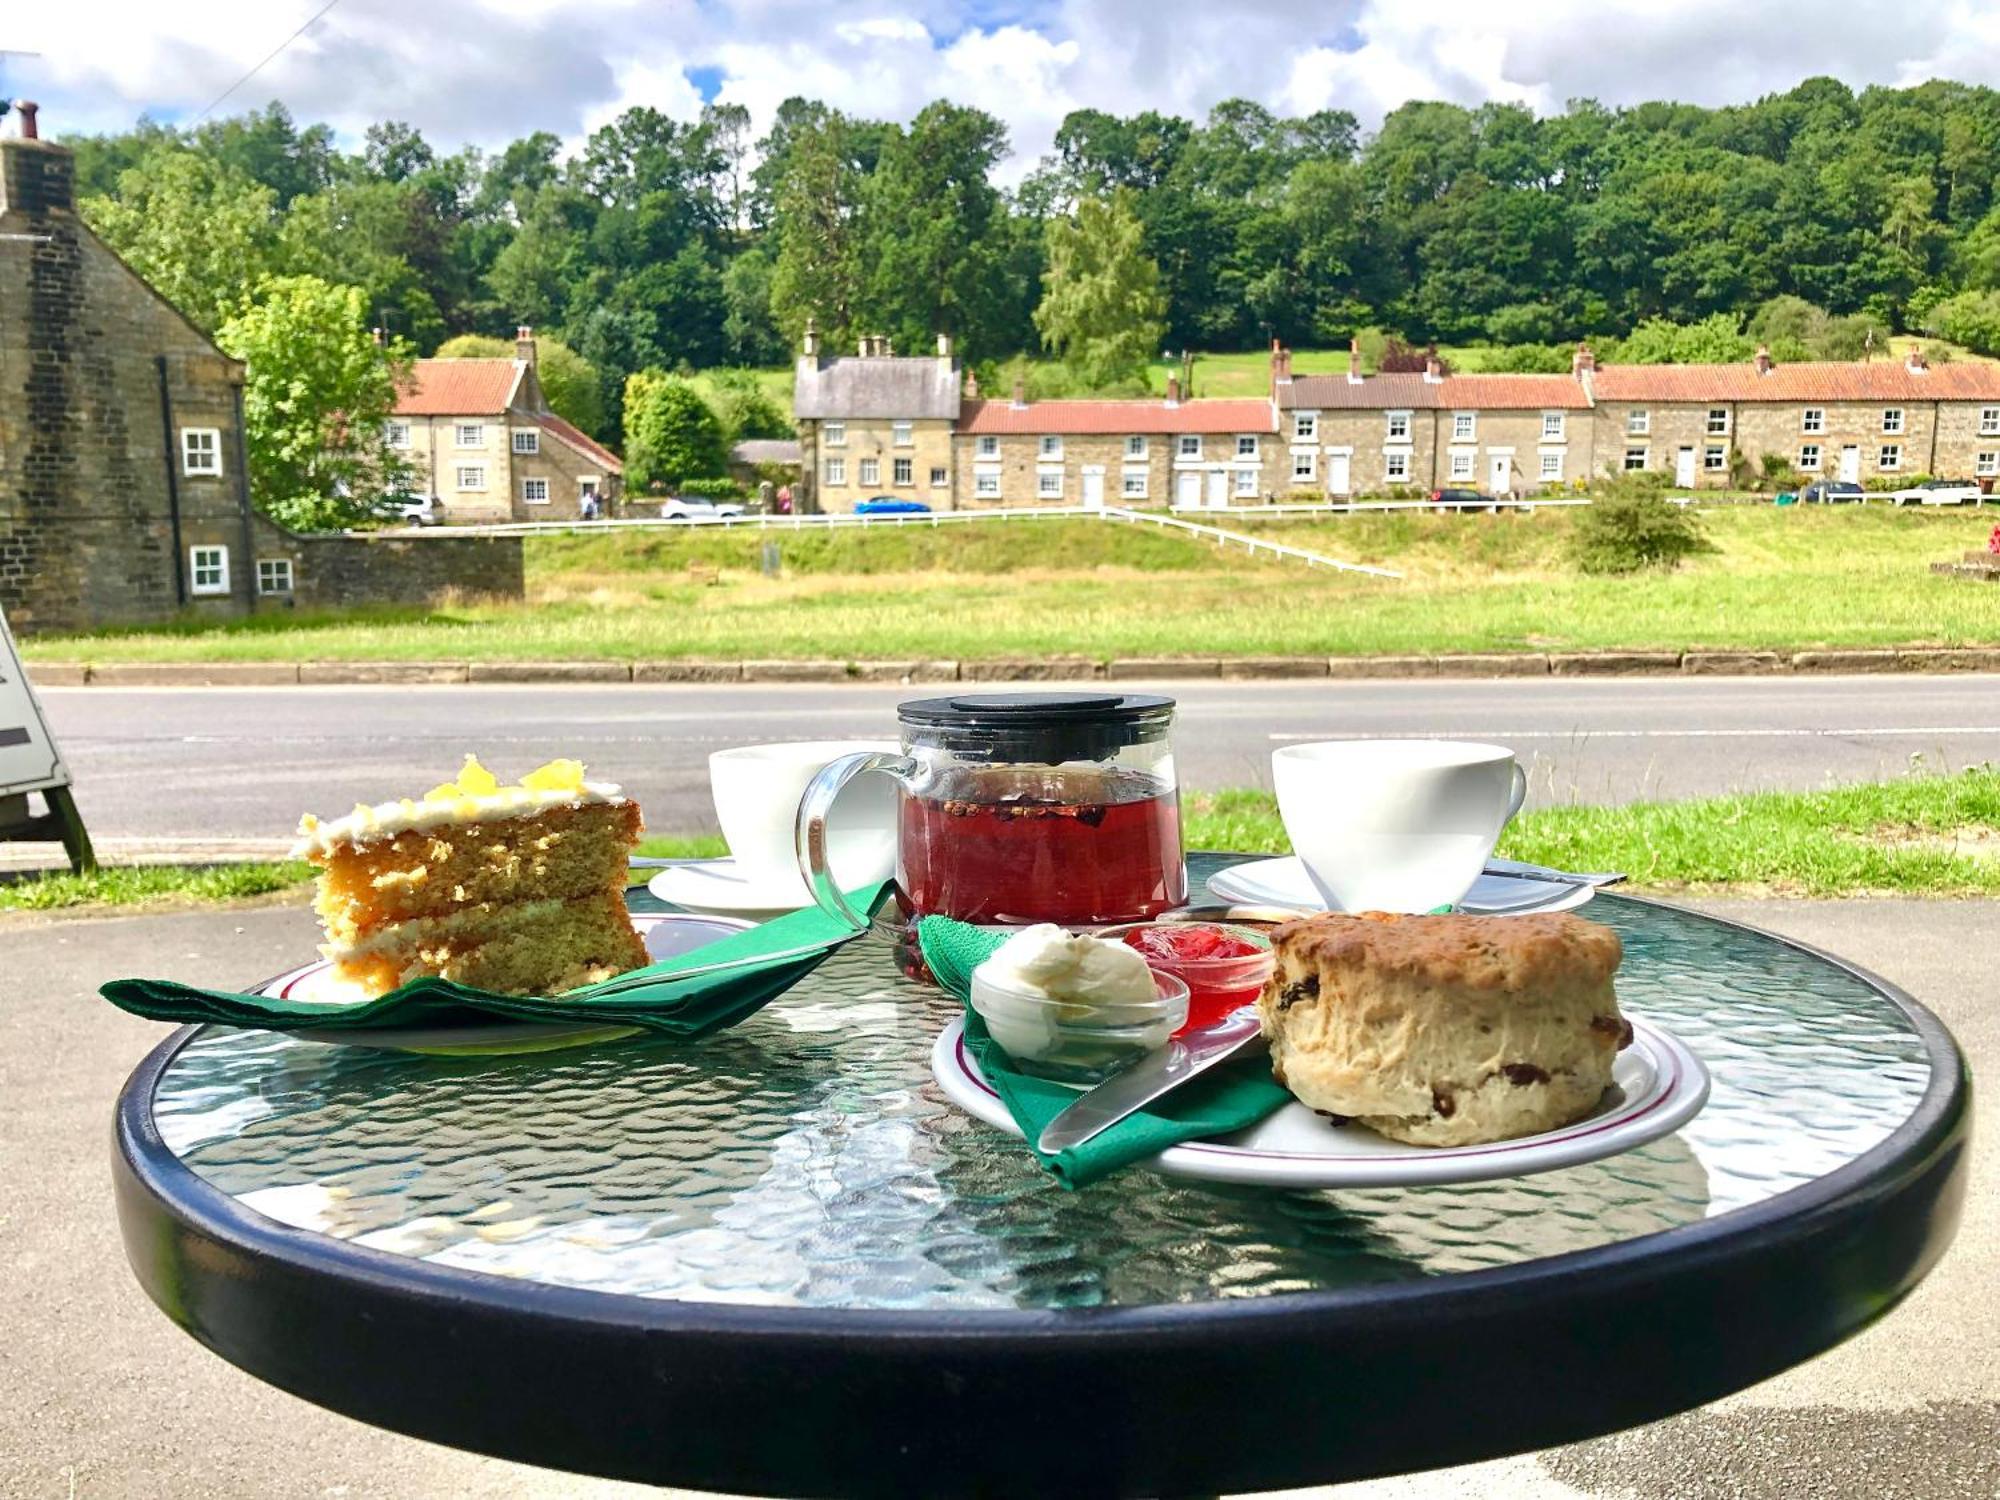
{"x": 666, "y": 935}
{"x": 1657, "y": 1086}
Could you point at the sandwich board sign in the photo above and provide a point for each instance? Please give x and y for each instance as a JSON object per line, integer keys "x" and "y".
{"x": 30, "y": 762}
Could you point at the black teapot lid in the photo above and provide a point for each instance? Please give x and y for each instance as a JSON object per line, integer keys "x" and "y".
{"x": 1044, "y": 728}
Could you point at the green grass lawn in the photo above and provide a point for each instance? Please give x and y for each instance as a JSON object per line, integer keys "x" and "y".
{"x": 1790, "y": 578}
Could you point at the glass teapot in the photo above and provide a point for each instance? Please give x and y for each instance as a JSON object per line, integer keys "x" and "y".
{"x": 1020, "y": 807}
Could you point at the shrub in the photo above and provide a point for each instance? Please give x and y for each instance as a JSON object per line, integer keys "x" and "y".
{"x": 1524, "y": 323}
{"x": 1630, "y": 525}
{"x": 671, "y": 434}
{"x": 711, "y": 489}
{"x": 1970, "y": 318}
{"x": 1526, "y": 359}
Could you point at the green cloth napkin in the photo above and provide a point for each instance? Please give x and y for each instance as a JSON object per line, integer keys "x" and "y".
{"x": 773, "y": 958}
{"x": 1230, "y": 1096}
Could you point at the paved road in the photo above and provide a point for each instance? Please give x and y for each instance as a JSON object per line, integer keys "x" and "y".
{"x": 244, "y": 762}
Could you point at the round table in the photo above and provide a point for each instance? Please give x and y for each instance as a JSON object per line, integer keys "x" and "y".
{"x": 778, "y": 1261}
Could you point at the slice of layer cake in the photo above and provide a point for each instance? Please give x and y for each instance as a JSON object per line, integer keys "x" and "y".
{"x": 516, "y": 889}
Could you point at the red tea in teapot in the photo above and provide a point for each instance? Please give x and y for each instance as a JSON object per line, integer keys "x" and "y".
{"x": 1042, "y": 844}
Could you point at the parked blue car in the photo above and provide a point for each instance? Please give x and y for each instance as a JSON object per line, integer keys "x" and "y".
{"x": 889, "y": 505}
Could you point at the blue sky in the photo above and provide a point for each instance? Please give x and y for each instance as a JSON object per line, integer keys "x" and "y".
{"x": 483, "y": 72}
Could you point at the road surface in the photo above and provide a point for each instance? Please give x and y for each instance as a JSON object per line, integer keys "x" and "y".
{"x": 243, "y": 763}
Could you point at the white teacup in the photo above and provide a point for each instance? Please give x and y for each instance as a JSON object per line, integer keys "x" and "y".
{"x": 757, "y": 789}
{"x": 1395, "y": 825}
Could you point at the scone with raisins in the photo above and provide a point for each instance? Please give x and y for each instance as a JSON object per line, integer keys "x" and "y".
{"x": 1445, "y": 1031}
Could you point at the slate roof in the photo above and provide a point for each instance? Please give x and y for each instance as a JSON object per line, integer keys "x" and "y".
{"x": 1082, "y": 417}
{"x": 905, "y": 388}
{"x": 588, "y": 446}
{"x": 459, "y": 388}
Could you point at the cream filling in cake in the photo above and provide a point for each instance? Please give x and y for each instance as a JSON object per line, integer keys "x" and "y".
{"x": 476, "y": 797}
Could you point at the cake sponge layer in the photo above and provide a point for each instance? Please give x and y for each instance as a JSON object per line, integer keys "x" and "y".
{"x": 539, "y": 947}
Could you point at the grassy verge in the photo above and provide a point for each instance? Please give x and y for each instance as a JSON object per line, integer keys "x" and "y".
{"x": 151, "y": 885}
{"x": 1777, "y": 579}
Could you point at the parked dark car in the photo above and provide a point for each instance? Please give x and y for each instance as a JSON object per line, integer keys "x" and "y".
{"x": 889, "y": 505}
{"x": 1833, "y": 492}
{"x": 1460, "y": 496}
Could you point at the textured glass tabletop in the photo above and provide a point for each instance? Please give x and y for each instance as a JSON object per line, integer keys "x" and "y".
{"x": 806, "y": 1158}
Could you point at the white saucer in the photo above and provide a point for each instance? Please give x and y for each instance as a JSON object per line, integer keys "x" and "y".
{"x": 722, "y": 886}
{"x": 1284, "y": 882}
{"x": 1657, "y": 1087}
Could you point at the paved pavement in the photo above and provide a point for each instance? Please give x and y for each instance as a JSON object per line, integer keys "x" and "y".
{"x": 101, "y": 1397}
{"x": 201, "y": 763}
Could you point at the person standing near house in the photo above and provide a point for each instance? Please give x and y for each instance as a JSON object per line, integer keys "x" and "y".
{"x": 784, "y": 500}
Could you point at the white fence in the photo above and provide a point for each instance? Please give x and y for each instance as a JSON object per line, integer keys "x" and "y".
{"x": 1251, "y": 544}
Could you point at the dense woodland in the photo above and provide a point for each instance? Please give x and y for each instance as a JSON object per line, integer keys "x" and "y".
{"x": 663, "y": 244}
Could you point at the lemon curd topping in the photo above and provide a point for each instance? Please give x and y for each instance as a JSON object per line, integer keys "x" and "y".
{"x": 474, "y": 796}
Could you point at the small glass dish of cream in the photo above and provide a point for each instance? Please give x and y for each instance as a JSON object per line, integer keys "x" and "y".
{"x": 1075, "y": 1008}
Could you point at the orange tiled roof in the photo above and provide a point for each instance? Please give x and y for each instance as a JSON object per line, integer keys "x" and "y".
{"x": 458, "y": 388}
{"x": 1116, "y": 417}
{"x": 1501, "y": 392}
{"x": 589, "y": 447}
{"x": 1872, "y": 380}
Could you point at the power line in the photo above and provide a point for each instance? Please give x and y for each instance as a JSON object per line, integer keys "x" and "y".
{"x": 330, "y": 4}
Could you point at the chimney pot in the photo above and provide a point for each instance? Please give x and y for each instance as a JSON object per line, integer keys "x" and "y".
{"x": 1020, "y": 391}
{"x": 810, "y": 344}
{"x": 30, "y": 131}
{"x": 1763, "y": 359}
{"x": 1173, "y": 390}
{"x": 971, "y": 384}
{"x": 1433, "y": 368}
{"x": 1354, "y": 361}
{"x": 1583, "y": 360}
{"x": 524, "y": 344}
{"x": 865, "y": 347}
{"x": 1918, "y": 362}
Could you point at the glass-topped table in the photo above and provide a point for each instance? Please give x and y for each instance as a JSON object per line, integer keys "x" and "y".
{"x": 779, "y": 1261}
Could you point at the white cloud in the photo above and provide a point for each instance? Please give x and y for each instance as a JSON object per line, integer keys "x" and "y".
{"x": 487, "y": 71}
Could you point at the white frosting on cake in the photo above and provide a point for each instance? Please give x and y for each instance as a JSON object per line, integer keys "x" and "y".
{"x": 444, "y": 806}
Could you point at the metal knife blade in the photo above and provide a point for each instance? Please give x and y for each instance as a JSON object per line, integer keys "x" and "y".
{"x": 1143, "y": 1081}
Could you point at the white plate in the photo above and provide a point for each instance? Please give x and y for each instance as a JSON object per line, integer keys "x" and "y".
{"x": 314, "y": 982}
{"x": 1284, "y": 882}
{"x": 1657, "y": 1087}
{"x": 723, "y": 887}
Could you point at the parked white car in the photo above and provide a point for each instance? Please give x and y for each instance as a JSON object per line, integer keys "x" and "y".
{"x": 1937, "y": 492}
{"x": 418, "y": 510}
{"x": 686, "y": 508}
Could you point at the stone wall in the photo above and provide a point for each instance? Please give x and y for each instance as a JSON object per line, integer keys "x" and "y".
{"x": 1018, "y": 463}
{"x": 340, "y": 571}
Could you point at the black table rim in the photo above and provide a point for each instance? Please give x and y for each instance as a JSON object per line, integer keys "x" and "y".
{"x": 1262, "y": 1393}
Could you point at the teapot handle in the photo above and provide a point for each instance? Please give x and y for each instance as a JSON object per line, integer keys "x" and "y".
{"x": 809, "y": 831}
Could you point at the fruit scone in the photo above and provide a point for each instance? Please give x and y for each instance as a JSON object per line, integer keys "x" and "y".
{"x": 1446, "y": 1030}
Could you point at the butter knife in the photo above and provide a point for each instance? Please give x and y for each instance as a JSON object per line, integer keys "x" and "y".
{"x": 1138, "y": 1084}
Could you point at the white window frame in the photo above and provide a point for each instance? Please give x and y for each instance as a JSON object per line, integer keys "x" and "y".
{"x": 836, "y": 471}
{"x": 1246, "y": 445}
{"x": 1889, "y": 458}
{"x": 1632, "y": 453}
{"x": 1460, "y": 468}
{"x": 902, "y": 435}
{"x": 1714, "y": 458}
{"x": 868, "y": 472}
{"x": 529, "y": 484}
{"x": 1989, "y": 421}
{"x": 1050, "y": 445}
{"x": 526, "y": 441}
{"x": 1552, "y": 466}
{"x": 1638, "y": 423}
{"x": 1396, "y": 467}
{"x": 1813, "y": 419}
{"x": 1986, "y": 463}
{"x": 1135, "y": 446}
{"x": 834, "y": 434}
{"x": 208, "y": 570}
{"x": 477, "y": 483}
{"x": 1305, "y": 426}
{"x": 1049, "y": 484}
{"x": 396, "y": 434}
{"x": 1246, "y": 482}
{"x": 903, "y": 471}
{"x": 1892, "y": 420}
{"x": 1132, "y": 484}
{"x": 1305, "y": 465}
{"x": 1465, "y": 427}
{"x": 988, "y": 446}
{"x": 201, "y": 452}
{"x": 459, "y": 431}
{"x": 1717, "y": 424}
{"x": 940, "y": 476}
{"x": 1188, "y": 445}
{"x": 270, "y": 572}
{"x": 986, "y": 486}
{"x": 1552, "y": 427}
{"x": 1396, "y": 427}
{"x": 1811, "y": 456}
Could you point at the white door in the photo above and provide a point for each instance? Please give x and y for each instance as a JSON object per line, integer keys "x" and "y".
{"x": 1500, "y": 473}
{"x": 1093, "y": 489}
{"x": 1850, "y": 463}
{"x": 1336, "y": 473}
{"x": 1218, "y": 489}
{"x": 1187, "y": 490}
{"x": 1684, "y": 468}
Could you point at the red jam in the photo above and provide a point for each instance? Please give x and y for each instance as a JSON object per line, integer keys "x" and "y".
{"x": 1223, "y": 967}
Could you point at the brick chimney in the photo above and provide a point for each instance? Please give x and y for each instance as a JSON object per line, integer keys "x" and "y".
{"x": 1917, "y": 363}
{"x": 1763, "y": 360}
{"x": 971, "y": 385}
{"x": 36, "y": 176}
{"x": 1583, "y": 361}
{"x": 1281, "y": 365}
{"x": 1354, "y": 361}
{"x": 1433, "y": 368}
{"x": 1020, "y": 392}
{"x": 524, "y": 345}
{"x": 810, "y": 346}
{"x": 944, "y": 346}
{"x": 1173, "y": 390}
{"x": 26, "y": 109}
{"x": 865, "y": 346}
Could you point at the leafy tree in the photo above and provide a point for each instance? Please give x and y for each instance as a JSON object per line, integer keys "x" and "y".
{"x": 1713, "y": 340}
{"x": 1101, "y": 309}
{"x": 569, "y": 381}
{"x": 670, "y": 433}
{"x": 317, "y": 390}
{"x": 1971, "y": 319}
{"x": 1630, "y": 525}
{"x": 816, "y": 219}
{"x": 745, "y": 408}
{"x": 200, "y": 233}
{"x": 748, "y": 329}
